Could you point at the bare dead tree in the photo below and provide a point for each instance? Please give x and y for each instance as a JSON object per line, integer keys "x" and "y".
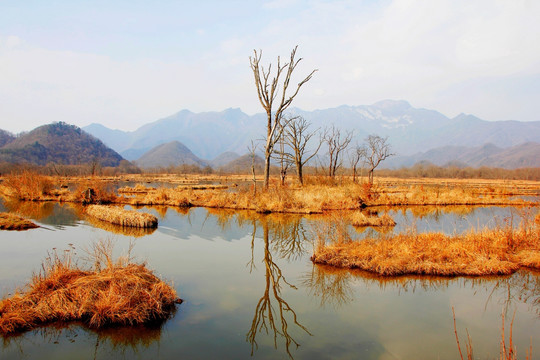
{"x": 376, "y": 150}
{"x": 297, "y": 135}
{"x": 252, "y": 150}
{"x": 268, "y": 89}
{"x": 337, "y": 143}
{"x": 94, "y": 166}
{"x": 357, "y": 154}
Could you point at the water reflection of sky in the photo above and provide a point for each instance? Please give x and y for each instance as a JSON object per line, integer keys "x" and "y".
{"x": 227, "y": 266}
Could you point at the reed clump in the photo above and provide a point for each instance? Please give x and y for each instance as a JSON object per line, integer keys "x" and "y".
{"x": 10, "y": 221}
{"x": 110, "y": 292}
{"x": 119, "y": 229}
{"x": 360, "y": 219}
{"x": 487, "y": 252}
{"x": 122, "y": 217}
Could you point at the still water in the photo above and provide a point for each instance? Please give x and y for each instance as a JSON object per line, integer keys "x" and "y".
{"x": 250, "y": 291}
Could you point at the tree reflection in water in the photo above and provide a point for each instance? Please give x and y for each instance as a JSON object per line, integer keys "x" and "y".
{"x": 272, "y": 312}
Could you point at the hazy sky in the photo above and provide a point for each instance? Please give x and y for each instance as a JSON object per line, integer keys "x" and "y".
{"x": 126, "y": 63}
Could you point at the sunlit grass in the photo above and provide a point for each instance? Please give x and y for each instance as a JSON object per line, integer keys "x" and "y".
{"x": 109, "y": 292}
{"x": 319, "y": 194}
{"x": 502, "y": 250}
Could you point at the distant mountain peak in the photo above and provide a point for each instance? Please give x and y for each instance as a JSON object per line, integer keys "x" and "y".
{"x": 173, "y": 153}
{"x": 58, "y": 143}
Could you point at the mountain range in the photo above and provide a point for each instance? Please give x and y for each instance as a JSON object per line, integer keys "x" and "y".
{"x": 217, "y": 138}
{"x": 524, "y": 155}
{"x": 409, "y": 130}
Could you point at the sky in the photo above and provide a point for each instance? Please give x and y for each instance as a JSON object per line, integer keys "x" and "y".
{"x": 127, "y": 63}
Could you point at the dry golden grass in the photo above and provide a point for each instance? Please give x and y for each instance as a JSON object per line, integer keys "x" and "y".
{"x": 317, "y": 198}
{"x": 109, "y": 293}
{"x": 319, "y": 194}
{"x": 130, "y": 218}
{"x": 13, "y": 222}
{"x": 497, "y": 251}
{"x": 27, "y": 185}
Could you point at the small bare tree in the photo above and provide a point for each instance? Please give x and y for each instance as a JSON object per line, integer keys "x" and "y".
{"x": 357, "y": 154}
{"x": 336, "y": 145}
{"x": 297, "y": 135}
{"x": 252, "y": 149}
{"x": 376, "y": 150}
{"x": 267, "y": 90}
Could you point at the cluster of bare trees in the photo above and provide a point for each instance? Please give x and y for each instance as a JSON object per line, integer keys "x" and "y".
{"x": 287, "y": 137}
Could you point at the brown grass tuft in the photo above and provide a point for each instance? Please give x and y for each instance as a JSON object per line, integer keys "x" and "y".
{"x": 110, "y": 293}
{"x": 122, "y": 217}
{"x": 13, "y": 222}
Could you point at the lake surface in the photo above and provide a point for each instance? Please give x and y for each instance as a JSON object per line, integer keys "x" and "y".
{"x": 250, "y": 291}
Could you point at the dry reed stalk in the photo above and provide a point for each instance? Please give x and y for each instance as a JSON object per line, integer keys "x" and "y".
{"x": 110, "y": 293}
{"x": 122, "y": 217}
{"x": 488, "y": 252}
{"x": 506, "y": 352}
{"x": 13, "y": 222}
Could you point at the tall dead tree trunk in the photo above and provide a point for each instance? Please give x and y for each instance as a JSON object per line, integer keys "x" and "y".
{"x": 267, "y": 90}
